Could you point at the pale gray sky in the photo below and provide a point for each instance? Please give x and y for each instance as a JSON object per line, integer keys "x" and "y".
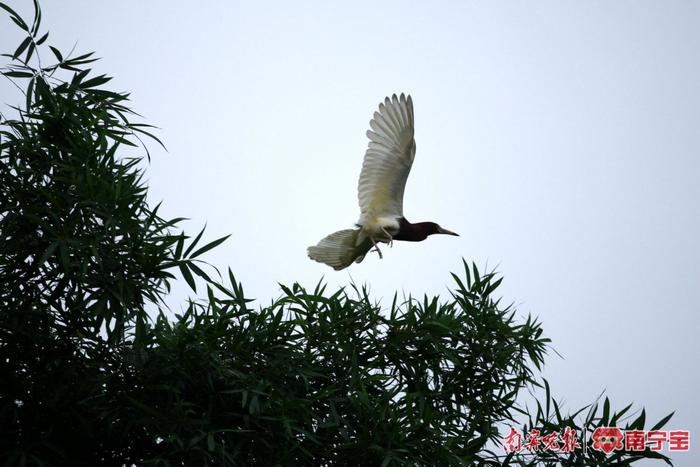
{"x": 559, "y": 138}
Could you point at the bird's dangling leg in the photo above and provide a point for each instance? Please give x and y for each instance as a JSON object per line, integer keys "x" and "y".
{"x": 376, "y": 248}
{"x": 388, "y": 235}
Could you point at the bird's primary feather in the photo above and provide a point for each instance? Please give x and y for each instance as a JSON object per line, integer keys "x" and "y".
{"x": 387, "y": 163}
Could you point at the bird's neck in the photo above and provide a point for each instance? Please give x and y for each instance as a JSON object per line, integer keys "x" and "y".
{"x": 413, "y": 232}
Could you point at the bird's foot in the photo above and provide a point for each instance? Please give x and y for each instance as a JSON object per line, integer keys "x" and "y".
{"x": 376, "y": 248}
{"x": 388, "y": 235}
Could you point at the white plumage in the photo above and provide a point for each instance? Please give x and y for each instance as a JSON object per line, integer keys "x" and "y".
{"x": 385, "y": 168}
{"x": 387, "y": 163}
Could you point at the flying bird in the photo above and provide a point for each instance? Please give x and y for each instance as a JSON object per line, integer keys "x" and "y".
{"x": 386, "y": 166}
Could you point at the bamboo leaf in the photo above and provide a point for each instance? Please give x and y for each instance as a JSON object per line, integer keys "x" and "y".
{"x": 22, "y": 46}
{"x": 185, "y": 271}
{"x": 57, "y": 53}
{"x": 210, "y": 246}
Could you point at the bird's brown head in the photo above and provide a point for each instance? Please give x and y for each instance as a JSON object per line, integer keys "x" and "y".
{"x": 419, "y": 231}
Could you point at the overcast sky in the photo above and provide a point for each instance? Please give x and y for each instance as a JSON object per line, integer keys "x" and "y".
{"x": 560, "y": 139}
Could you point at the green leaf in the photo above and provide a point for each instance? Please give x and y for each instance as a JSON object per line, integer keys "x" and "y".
{"x": 197, "y": 270}
{"x": 180, "y": 246}
{"x": 96, "y": 81}
{"x": 22, "y": 46}
{"x": 20, "y": 22}
{"x": 606, "y": 411}
{"x": 10, "y": 11}
{"x": 184, "y": 270}
{"x": 57, "y": 53}
{"x": 209, "y": 246}
{"x": 194, "y": 242}
{"x": 18, "y": 74}
{"x": 42, "y": 39}
{"x": 30, "y": 52}
{"x": 662, "y": 422}
{"x": 638, "y": 423}
{"x": 493, "y": 286}
{"x": 37, "y": 18}
{"x": 79, "y": 76}
{"x": 29, "y": 93}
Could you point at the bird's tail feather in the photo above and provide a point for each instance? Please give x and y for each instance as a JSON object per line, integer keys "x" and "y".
{"x": 339, "y": 250}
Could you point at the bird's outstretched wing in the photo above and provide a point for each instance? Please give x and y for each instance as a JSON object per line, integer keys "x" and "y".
{"x": 387, "y": 161}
